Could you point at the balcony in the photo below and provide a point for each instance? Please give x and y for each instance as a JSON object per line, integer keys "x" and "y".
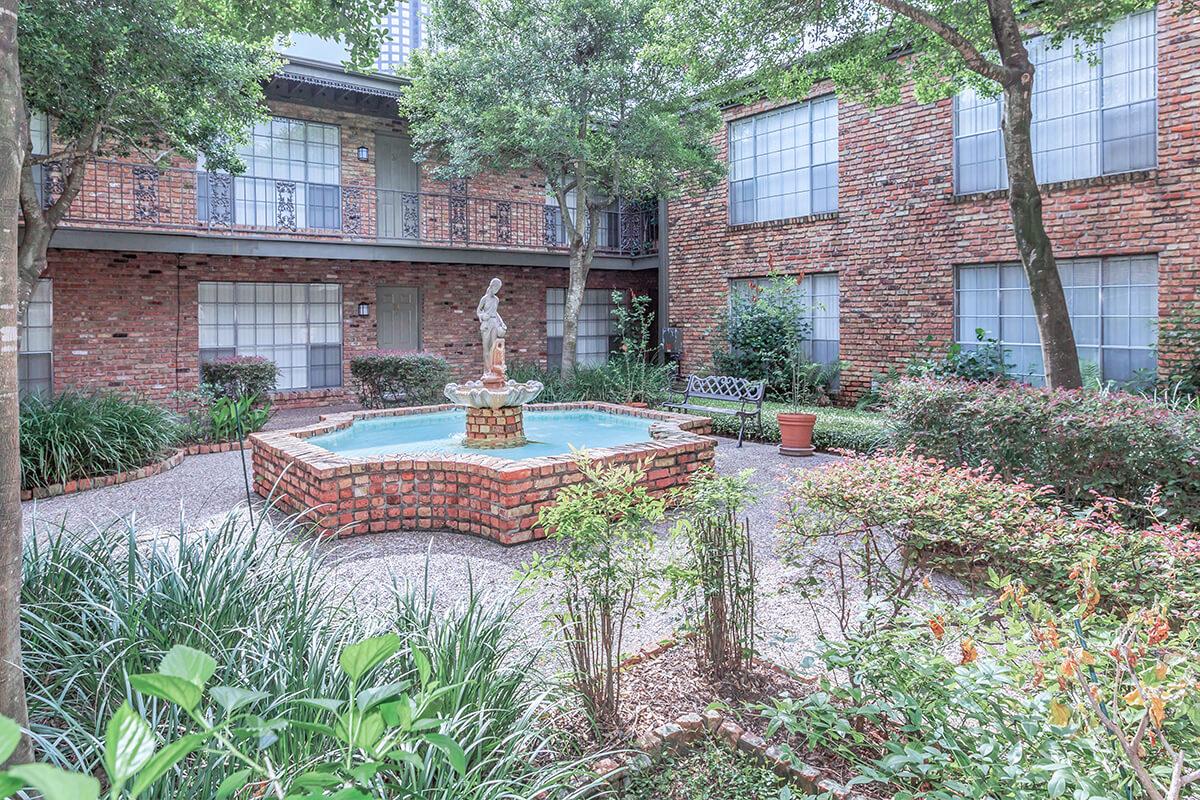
{"x": 134, "y": 197}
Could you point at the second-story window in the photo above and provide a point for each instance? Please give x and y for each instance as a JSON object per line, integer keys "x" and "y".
{"x": 607, "y": 237}
{"x": 1095, "y": 115}
{"x": 292, "y": 178}
{"x": 784, "y": 163}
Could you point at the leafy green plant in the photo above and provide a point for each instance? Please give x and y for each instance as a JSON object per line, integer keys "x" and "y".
{"x": 230, "y": 419}
{"x": 603, "y": 527}
{"x": 1005, "y": 698}
{"x": 633, "y": 375}
{"x": 1082, "y": 444}
{"x": 711, "y": 772}
{"x": 74, "y": 435}
{"x": 240, "y": 376}
{"x": 715, "y": 582}
{"x": 761, "y": 333}
{"x": 97, "y": 610}
{"x": 1179, "y": 344}
{"x": 384, "y": 378}
{"x": 909, "y": 514}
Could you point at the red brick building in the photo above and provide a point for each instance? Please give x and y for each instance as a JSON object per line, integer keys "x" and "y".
{"x": 899, "y": 217}
{"x": 334, "y": 242}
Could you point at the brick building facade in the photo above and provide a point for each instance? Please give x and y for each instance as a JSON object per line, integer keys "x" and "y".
{"x": 305, "y": 257}
{"x": 901, "y": 229}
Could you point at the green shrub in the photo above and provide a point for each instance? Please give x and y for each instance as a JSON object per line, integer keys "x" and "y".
{"x": 240, "y": 376}
{"x": 1179, "y": 344}
{"x": 1005, "y": 700}
{"x": 74, "y": 435}
{"x": 97, "y": 609}
{"x": 912, "y": 513}
{"x": 213, "y": 417}
{"x": 760, "y": 333}
{"x": 836, "y": 428}
{"x": 384, "y": 378}
{"x": 631, "y": 373}
{"x": 1081, "y": 443}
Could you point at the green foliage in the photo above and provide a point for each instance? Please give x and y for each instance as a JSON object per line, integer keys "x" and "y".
{"x": 899, "y": 517}
{"x": 385, "y": 378}
{"x": 711, "y": 772}
{"x": 1003, "y": 700}
{"x": 240, "y": 376}
{"x": 762, "y": 332}
{"x": 631, "y": 372}
{"x": 603, "y": 527}
{"x": 213, "y": 417}
{"x": 247, "y": 668}
{"x": 836, "y": 428}
{"x": 1081, "y": 443}
{"x": 564, "y": 87}
{"x": 74, "y": 435}
{"x": 715, "y": 582}
{"x": 987, "y": 361}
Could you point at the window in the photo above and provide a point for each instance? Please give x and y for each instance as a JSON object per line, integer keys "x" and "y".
{"x": 595, "y": 326}
{"x": 819, "y": 294}
{"x": 1113, "y": 304}
{"x": 296, "y": 325}
{"x": 39, "y": 138}
{"x": 1089, "y": 119}
{"x": 784, "y": 163}
{"x": 405, "y": 26}
{"x": 293, "y": 172}
{"x": 35, "y": 361}
{"x": 608, "y": 236}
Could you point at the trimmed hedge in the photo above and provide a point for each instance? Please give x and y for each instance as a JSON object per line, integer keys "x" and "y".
{"x": 240, "y": 376}
{"x": 386, "y": 378}
{"x": 73, "y": 435}
{"x": 1081, "y": 443}
{"x": 836, "y": 428}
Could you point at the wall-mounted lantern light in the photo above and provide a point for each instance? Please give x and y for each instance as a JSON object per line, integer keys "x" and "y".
{"x": 363, "y": 154}
{"x": 364, "y": 310}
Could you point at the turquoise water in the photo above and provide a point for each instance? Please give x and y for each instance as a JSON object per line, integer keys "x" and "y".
{"x": 550, "y": 433}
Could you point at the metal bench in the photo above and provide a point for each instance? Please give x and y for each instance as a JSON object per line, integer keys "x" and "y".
{"x": 748, "y": 394}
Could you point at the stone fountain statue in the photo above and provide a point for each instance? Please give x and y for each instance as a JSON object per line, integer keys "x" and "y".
{"x": 494, "y": 417}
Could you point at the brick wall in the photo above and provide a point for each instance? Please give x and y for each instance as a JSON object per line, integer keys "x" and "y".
{"x": 128, "y": 321}
{"x": 899, "y": 230}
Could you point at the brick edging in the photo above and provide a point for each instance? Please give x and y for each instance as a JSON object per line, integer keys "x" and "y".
{"x": 156, "y": 468}
{"x": 679, "y": 736}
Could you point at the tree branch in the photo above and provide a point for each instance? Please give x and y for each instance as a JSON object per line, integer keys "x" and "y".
{"x": 949, "y": 34}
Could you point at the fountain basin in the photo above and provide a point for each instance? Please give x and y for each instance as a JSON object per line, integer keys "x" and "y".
{"x": 407, "y": 468}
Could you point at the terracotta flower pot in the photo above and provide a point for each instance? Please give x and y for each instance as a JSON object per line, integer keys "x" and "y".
{"x": 795, "y": 434}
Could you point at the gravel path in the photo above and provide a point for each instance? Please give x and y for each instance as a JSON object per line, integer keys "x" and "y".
{"x": 205, "y": 488}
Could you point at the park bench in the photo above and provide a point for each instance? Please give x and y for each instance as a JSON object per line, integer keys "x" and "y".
{"x": 746, "y": 393}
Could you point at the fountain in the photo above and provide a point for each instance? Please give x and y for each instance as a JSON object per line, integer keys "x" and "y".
{"x": 493, "y": 403}
{"x": 427, "y": 468}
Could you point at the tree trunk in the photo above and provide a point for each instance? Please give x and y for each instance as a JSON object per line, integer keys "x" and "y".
{"x": 1059, "y": 356}
{"x": 580, "y": 262}
{"x": 12, "y": 684}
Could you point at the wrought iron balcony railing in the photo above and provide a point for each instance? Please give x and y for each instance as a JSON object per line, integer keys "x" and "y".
{"x": 131, "y": 196}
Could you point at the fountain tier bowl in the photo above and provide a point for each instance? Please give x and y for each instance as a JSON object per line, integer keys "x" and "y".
{"x": 407, "y": 468}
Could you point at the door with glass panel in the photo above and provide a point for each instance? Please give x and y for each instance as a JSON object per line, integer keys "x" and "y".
{"x": 397, "y": 182}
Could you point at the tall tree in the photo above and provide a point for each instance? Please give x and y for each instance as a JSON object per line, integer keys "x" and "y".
{"x": 565, "y": 87}
{"x": 148, "y": 78}
{"x": 12, "y": 689}
{"x": 874, "y": 50}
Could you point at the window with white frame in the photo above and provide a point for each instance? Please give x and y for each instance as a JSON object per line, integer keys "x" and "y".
{"x": 1113, "y": 303}
{"x": 35, "y": 360}
{"x": 39, "y": 139}
{"x": 292, "y": 177}
{"x": 819, "y": 294}
{"x": 594, "y": 339}
{"x": 296, "y": 325}
{"x": 784, "y": 163}
{"x": 1093, "y": 115}
{"x": 405, "y": 25}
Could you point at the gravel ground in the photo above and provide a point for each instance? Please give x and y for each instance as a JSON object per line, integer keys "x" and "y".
{"x": 204, "y": 488}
